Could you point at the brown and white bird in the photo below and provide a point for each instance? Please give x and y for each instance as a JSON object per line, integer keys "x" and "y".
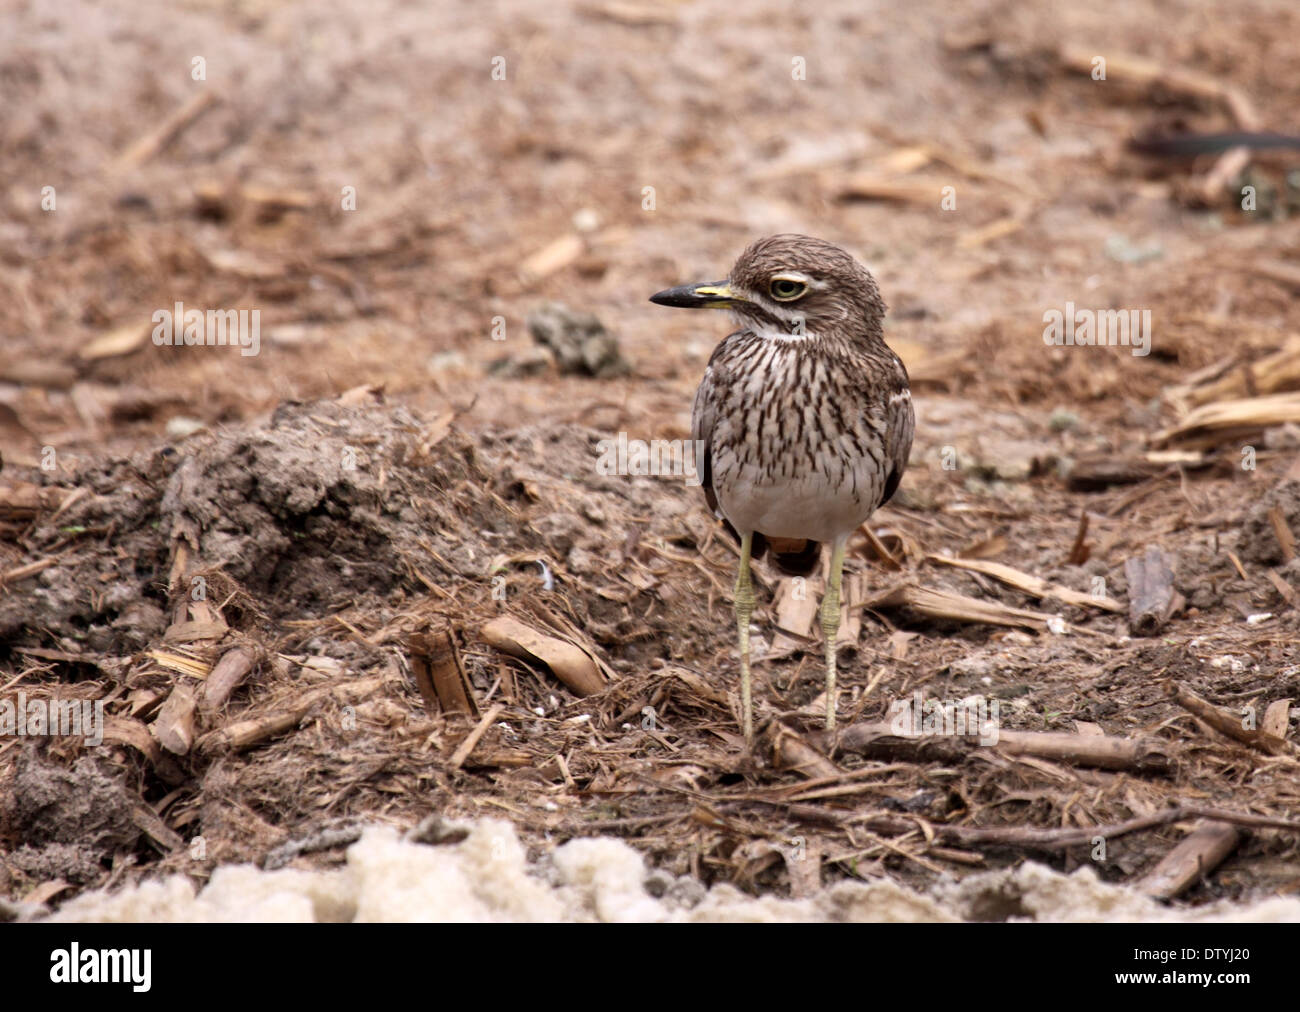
{"x": 804, "y": 417}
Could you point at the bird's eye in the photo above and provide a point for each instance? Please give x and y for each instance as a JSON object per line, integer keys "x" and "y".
{"x": 786, "y": 289}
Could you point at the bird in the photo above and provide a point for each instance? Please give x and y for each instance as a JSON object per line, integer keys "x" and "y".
{"x": 802, "y": 422}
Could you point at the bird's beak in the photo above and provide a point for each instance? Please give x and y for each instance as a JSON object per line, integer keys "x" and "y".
{"x": 716, "y": 295}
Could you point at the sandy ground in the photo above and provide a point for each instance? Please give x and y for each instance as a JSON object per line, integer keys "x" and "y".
{"x": 357, "y": 175}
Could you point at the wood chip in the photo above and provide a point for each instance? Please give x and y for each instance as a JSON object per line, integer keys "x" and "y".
{"x": 555, "y": 256}
{"x": 1277, "y": 719}
{"x": 174, "y": 725}
{"x": 121, "y": 341}
{"x": 999, "y": 229}
{"x": 181, "y": 663}
{"x": 634, "y": 15}
{"x": 1188, "y": 863}
{"x": 1285, "y": 539}
{"x": 1231, "y": 422}
{"x": 1273, "y": 373}
{"x": 899, "y": 641}
{"x": 226, "y": 676}
{"x": 871, "y": 187}
{"x": 439, "y": 675}
{"x": 803, "y": 863}
{"x": 1152, "y": 597}
{"x": 1283, "y": 588}
{"x": 1079, "y": 550}
{"x": 134, "y": 733}
{"x": 147, "y": 820}
{"x": 46, "y": 891}
{"x": 795, "y": 605}
{"x": 193, "y": 632}
{"x": 23, "y": 572}
{"x": 256, "y": 729}
{"x": 791, "y": 752}
{"x": 567, "y": 661}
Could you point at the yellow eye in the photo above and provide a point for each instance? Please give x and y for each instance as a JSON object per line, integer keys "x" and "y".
{"x": 786, "y": 289}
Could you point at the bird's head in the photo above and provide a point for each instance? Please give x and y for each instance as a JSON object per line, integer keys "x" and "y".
{"x": 790, "y": 287}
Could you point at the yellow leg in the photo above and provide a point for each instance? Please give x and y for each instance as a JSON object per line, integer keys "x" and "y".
{"x": 744, "y": 599}
{"x": 831, "y": 625}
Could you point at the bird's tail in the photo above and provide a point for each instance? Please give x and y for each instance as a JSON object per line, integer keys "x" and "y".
{"x": 792, "y": 556}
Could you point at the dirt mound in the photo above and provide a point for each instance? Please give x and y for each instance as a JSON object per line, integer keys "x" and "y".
{"x": 323, "y": 504}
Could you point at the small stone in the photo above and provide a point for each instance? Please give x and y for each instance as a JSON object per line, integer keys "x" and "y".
{"x": 445, "y": 361}
{"x": 971, "y": 667}
{"x": 586, "y": 220}
{"x": 531, "y": 361}
{"x": 1121, "y": 249}
{"x": 180, "y": 427}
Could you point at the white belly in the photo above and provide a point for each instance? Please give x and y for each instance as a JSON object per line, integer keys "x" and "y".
{"x": 796, "y": 508}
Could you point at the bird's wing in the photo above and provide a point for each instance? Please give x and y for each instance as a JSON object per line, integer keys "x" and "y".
{"x": 900, "y": 423}
{"x": 702, "y": 417}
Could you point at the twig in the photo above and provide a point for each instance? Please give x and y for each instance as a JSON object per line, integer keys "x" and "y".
{"x": 1285, "y": 539}
{"x": 1056, "y": 839}
{"x": 467, "y": 746}
{"x": 881, "y": 741}
{"x": 165, "y": 132}
{"x": 1227, "y": 723}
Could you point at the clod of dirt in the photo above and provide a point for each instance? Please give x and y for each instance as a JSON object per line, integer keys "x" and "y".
{"x": 69, "y": 819}
{"x": 1258, "y": 539}
{"x": 72, "y": 862}
{"x": 436, "y": 831}
{"x": 579, "y": 341}
{"x": 532, "y": 361}
{"x": 113, "y": 548}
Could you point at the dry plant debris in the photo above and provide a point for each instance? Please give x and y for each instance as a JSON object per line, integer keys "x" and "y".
{"x": 373, "y": 575}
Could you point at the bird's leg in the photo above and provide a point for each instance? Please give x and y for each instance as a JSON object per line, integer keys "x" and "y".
{"x": 744, "y": 598}
{"x": 831, "y": 625}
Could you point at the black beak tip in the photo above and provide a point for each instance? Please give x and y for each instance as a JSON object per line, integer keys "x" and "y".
{"x": 690, "y": 296}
